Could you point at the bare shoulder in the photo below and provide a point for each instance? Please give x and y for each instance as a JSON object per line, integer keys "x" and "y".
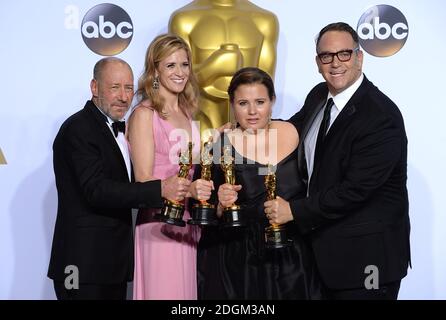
{"x": 144, "y": 105}
{"x": 285, "y": 129}
{"x": 142, "y": 110}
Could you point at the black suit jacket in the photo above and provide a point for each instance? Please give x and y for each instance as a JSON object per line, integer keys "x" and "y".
{"x": 94, "y": 223}
{"x": 357, "y": 209}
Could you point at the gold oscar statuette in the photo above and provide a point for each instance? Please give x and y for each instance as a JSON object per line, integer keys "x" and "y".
{"x": 2, "y": 158}
{"x": 224, "y": 36}
{"x": 204, "y": 213}
{"x": 232, "y": 215}
{"x": 172, "y": 211}
{"x": 275, "y": 234}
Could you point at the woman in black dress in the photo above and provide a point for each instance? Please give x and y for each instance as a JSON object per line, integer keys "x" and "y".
{"x": 233, "y": 262}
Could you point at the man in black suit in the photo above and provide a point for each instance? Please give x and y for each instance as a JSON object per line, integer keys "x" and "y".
{"x": 354, "y": 156}
{"x": 92, "y": 252}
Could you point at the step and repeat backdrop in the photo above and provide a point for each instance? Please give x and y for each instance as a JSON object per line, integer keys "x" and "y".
{"x": 48, "y": 49}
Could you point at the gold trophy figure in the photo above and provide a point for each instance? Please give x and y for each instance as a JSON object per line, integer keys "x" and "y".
{"x": 275, "y": 234}
{"x": 2, "y": 158}
{"x": 232, "y": 215}
{"x": 172, "y": 211}
{"x": 243, "y": 35}
{"x": 204, "y": 213}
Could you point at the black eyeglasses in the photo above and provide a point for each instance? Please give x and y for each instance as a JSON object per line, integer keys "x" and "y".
{"x": 343, "y": 55}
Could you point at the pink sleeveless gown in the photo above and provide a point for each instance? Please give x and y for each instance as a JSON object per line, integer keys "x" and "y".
{"x": 166, "y": 255}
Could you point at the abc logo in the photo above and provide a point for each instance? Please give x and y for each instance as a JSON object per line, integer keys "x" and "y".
{"x": 382, "y": 30}
{"x": 107, "y": 29}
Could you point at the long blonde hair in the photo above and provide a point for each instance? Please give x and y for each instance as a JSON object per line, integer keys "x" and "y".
{"x": 160, "y": 48}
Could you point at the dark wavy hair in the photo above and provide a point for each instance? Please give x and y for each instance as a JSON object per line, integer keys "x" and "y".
{"x": 251, "y": 75}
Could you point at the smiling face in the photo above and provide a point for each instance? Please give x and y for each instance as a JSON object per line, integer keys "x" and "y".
{"x": 339, "y": 75}
{"x": 252, "y": 106}
{"x": 113, "y": 90}
{"x": 173, "y": 72}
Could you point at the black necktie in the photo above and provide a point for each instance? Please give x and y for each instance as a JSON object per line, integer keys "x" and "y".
{"x": 324, "y": 124}
{"x": 118, "y": 126}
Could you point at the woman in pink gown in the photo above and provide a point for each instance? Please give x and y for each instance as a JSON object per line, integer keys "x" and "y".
{"x": 159, "y": 127}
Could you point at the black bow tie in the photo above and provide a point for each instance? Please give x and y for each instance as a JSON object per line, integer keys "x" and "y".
{"x": 118, "y": 126}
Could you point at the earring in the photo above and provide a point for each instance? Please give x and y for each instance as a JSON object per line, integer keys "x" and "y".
{"x": 156, "y": 83}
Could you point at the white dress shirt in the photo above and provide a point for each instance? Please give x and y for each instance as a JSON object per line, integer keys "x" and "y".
{"x": 340, "y": 100}
{"x": 122, "y": 144}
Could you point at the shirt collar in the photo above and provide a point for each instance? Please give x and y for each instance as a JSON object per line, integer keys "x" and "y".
{"x": 341, "y": 99}
{"x": 109, "y": 120}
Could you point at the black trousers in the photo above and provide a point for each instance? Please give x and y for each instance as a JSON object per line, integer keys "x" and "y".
{"x": 91, "y": 291}
{"x": 388, "y": 291}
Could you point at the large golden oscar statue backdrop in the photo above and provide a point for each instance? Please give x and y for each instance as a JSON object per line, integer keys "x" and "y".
{"x": 224, "y": 36}
{"x": 2, "y": 158}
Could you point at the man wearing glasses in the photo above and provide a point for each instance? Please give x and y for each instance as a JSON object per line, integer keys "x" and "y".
{"x": 353, "y": 152}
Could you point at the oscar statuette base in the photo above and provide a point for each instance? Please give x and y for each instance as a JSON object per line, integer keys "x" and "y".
{"x": 232, "y": 217}
{"x": 276, "y": 237}
{"x": 203, "y": 214}
{"x": 172, "y": 213}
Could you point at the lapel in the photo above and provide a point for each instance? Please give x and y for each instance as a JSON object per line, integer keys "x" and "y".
{"x": 350, "y": 109}
{"x": 320, "y": 104}
{"x": 320, "y": 100}
{"x": 345, "y": 116}
{"x": 100, "y": 122}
